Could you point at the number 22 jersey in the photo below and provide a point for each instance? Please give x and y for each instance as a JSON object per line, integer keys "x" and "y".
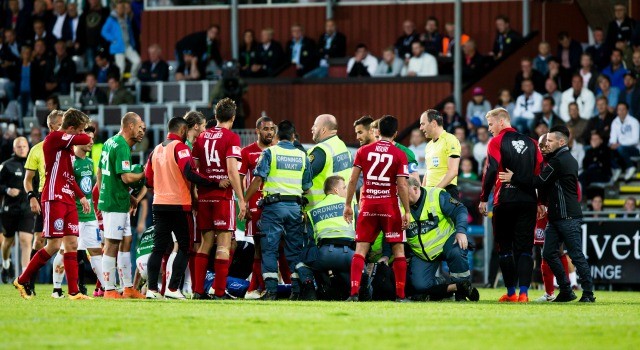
{"x": 212, "y": 149}
{"x": 381, "y": 163}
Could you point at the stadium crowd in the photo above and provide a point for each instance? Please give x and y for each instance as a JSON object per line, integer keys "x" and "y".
{"x": 594, "y": 93}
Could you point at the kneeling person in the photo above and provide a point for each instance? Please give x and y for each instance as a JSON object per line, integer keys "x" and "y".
{"x": 333, "y": 238}
{"x": 437, "y": 232}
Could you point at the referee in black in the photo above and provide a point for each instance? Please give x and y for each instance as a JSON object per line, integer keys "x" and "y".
{"x": 558, "y": 182}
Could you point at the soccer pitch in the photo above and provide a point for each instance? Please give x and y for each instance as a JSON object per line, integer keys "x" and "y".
{"x": 612, "y": 323}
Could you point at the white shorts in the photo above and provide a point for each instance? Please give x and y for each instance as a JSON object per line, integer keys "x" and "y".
{"x": 90, "y": 235}
{"x": 116, "y": 225}
{"x": 141, "y": 263}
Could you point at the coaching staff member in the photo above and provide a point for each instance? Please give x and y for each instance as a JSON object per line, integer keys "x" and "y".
{"x": 514, "y": 212}
{"x": 558, "y": 182}
{"x": 170, "y": 171}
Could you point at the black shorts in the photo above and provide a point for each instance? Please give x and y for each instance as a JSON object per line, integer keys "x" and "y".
{"x": 38, "y": 225}
{"x": 17, "y": 222}
{"x": 513, "y": 227}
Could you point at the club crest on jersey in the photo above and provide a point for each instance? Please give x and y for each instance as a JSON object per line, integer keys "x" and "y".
{"x": 236, "y": 149}
{"x": 58, "y": 225}
{"x": 435, "y": 161}
{"x": 67, "y": 137}
{"x": 183, "y": 154}
{"x": 519, "y": 146}
{"x": 126, "y": 165}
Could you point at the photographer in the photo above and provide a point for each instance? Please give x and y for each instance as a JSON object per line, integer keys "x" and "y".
{"x": 230, "y": 86}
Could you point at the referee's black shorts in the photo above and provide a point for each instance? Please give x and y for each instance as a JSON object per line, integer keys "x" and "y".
{"x": 38, "y": 225}
{"x": 17, "y": 222}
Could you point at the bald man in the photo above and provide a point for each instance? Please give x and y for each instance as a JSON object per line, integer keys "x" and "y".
{"x": 16, "y": 214}
{"x": 329, "y": 157}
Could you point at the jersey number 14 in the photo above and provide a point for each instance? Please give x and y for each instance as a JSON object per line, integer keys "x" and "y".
{"x": 211, "y": 154}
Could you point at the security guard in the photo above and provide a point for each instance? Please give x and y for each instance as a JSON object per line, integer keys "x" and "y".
{"x": 328, "y": 157}
{"x": 332, "y": 246}
{"x": 285, "y": 171}
{"x": 437, "y": 232}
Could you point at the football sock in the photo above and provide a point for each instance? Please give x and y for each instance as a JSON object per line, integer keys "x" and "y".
{"x": 71, "y": 269}
{"x": 201, "y": 260}
{"x": 400, "y": 274}
{"x": 58, "y": 270}
{"x": 357, "y": 266}
{"x": 39, "y": 259}
{"x": 109, "y": 272}
{"x": 220, "y": 282}
{"x": 547, "y": 278}
{"x": 124, "y": 269}
{"x": 573, "y": 278}
{"x": 96, "y": 266}
{"x": 508, "y": 267}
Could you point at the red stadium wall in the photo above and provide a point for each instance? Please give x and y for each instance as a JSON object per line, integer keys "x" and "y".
{"x": 376, "y": 25}
{"x": 301, "y": 103}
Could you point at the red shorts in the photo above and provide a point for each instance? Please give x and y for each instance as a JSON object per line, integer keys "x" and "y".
{"x": 216, "y": 215}
{"x": 60, "y": 219}
{"x": 252, "y": 228}
{"x": 376, "y": 217}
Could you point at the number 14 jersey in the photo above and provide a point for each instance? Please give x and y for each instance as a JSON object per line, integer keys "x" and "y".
{"x": 211, "y": 149}
{"x": 381, "y": 163}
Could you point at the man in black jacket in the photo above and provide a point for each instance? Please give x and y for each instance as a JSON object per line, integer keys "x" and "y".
{"x": 16, "y": 215}
{"x": 301, "y": 51}
{"x": 332, "y": 43}
{"x": 60, "y": 71}
{"x": 271, "y": 57}
{"x": 558, "y": 182}
{"x": 203, "y": 45}
{"x": 154, "y": 69}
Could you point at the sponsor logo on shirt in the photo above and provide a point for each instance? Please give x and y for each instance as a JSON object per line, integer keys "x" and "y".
{"x": 370, "y": 214}
{"x": 219, "y": 222}
{"x": 376, "y": 192}
{"x": 392, "y": 235}
{"x": 58, "y": 225}
{"x": 67, "y": 137}
{"x": 73, "y": 228}
{"x": 126, "y": 165}
{"x": 183, "y": 154}
{"x": 86, "y": 185}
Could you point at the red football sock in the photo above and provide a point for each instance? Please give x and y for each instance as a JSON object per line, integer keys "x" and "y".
{"x": 70, "y": 261}
{"x": 98, "y": 284}
{"x": 357, "y": 265}
{"x": 39, "y": 260}
{"x": 565, "y": 264}
{"x": 547, "y": 277}
{"x": 283, "y": 265}
{"x": 197, "y": 280}
{"x": 256, "y": 270}
{"x": 400, "y": 273}
{"x": 220, "y": 282}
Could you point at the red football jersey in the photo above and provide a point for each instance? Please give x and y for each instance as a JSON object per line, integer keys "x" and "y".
{"x": 60, "y": 183}
{"x": 381, "y": 163}
{"x": 211, "y": 149}
{"x": 250, "y": 155}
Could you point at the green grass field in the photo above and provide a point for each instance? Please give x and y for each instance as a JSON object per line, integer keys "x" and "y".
{"x": 612, "y": 323}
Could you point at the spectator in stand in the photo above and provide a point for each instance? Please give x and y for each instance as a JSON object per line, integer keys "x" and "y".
{"x": 43, "y": 13}
{"x": 403, "y": 44}
{"x": 119, "y": 95}
{"x": 104, "y": 68}
{"x": 506, "y": 38}
{"x": 478, "y": 107}
{"x": 301, "y": 51}
{"x": 616, "y": 71}
{"x": 600, "y": 123}
{"x": 18, "y": 20}
{"x": 40, "y": 33}
{"x": 35, "y": 136}
{"x": 540, "y": 61}
{"x": 577, "y": 151}
{"x": 598, "y": 50}
{"x": 505, "y": 101}
{"x": 271, "y": 56}
{"x": 569, "y": 52}
{"x": 38, "y": 70}
{"x": 627, "y": 54}
{"x": 596, "y": 204}
{"x": 624, "y": 140}
{"x": 528, "y": 72}
{"x": 527, "y": 105}
{"x": 596, "y": 165}
{"x": 630, "y": 208}
{"x": 421, "y": 64}
{"x": 92, "y": 96}
{"x": 431, "y": 38}
{"x": 588, "y": 73}
{"x": 10, "y": 62}
{"x": 561, "y": 76}
{"x": 631, "y": 94}
{"x": 480, "y": 147}
{"x": 621, "y": 28}
{"x": 451, "y": 118}
{"x": 540, "y": 128}
{"x": 467, "y": 171}
{"x": 581, "y": 95}
{"x": 612, "y": 93}
{"x": 551, "y": 90}
{"x": 332, "y": 43}
{"x": 205, "y": 47}
{"x": 57, "y": 28}
{"x": 390, "y": 65}
{"x": 26, "y": 81}
{"x": 248, "y": 53}
{"x": 460, "y": 132}
{"x": 61, "y": 71}
{"x": 474, "y": 63}
{"x": 548, "y": 115}
{"x": 465, "y": 153}
{"x": 191, "y": 67}
{"x": 52, "y": 103}
{"x": 118, "y": 31}
{"x": 71, "y": 24}
{"x": 155, "y": 68}
{"x": 448, "y": 40}
{"x": 362, "y": 64}
{"x": 635, "y": 68}
{"x": 92, "y": 20}
{"x": 418, "y": 144}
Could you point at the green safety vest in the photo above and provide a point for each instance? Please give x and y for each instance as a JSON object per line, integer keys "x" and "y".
{"x": 285, "y": 172}
{"x": 427, "y": 234}
{"x": 338, "y": 162}
{"x": 327, "y": 220}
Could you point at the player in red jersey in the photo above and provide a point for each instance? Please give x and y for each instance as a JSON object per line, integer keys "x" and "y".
{"x": 265, "y": 129}
{"x": 385, "y": 172}
{"x": 217, "y": 152}
{"x": 58, "y": 201}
